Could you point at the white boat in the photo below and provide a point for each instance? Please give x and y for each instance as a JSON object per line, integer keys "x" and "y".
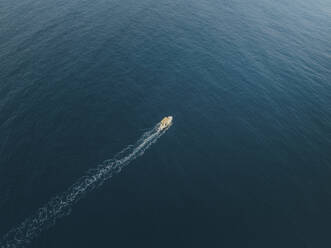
{"x": 166, "y": 122}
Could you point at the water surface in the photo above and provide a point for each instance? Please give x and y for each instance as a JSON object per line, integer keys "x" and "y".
{"x": 247, "y": 161}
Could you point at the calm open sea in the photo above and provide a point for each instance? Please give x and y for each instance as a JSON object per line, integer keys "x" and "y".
{"x": 247, "y": 162}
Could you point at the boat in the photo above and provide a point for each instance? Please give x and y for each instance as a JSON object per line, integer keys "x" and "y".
{"x": 166, "y": 122}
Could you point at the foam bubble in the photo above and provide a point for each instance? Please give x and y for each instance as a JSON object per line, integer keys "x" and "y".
{"x": 61, "y": 205}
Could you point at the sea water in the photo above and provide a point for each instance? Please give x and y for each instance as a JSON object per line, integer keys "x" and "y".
{"x": 247, "y": 162}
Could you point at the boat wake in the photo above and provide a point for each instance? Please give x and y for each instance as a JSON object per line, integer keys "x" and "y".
{"x": 61, "y": 205}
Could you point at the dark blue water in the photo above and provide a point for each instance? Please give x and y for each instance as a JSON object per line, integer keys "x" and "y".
{"x": 247, "y": 162}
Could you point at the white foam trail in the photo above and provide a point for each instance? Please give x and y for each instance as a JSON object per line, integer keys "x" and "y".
{"x": 61, "y": 204}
